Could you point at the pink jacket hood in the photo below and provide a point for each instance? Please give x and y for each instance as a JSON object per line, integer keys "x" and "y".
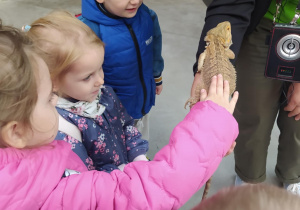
{"x": 32, "y": 178}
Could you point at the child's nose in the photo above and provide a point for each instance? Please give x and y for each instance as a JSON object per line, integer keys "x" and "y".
{"x": 99, "y": 80}
{"x": 134, "y": 1}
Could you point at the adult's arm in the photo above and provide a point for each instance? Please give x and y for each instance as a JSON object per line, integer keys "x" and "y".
{"x": 243, "y": 15}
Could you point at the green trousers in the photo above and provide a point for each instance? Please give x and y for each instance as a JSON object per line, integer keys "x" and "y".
{"x": 259, "y": 103}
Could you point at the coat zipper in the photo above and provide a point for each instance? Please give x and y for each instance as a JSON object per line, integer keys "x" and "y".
{"x": 137, "y": 48}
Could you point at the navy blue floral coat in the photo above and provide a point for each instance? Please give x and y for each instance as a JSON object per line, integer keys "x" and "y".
{"x": 108, "y": 140}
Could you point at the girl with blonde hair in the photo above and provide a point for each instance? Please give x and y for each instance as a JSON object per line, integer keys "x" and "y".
{"x": 38, "y": 172}
{"x": 74, "y": 55}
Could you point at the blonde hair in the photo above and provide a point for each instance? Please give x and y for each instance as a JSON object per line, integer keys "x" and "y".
{"x": 63, "y": 49}
{"x": 18, "y": 87}
{"x": 249, "y": 197}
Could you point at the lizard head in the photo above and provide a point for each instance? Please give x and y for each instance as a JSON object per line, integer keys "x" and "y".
{"x": 222, "y": 33}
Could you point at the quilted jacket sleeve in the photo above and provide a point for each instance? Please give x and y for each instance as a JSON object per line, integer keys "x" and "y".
{"x": 158, "y": 61}
{"x": 196, "y": 147}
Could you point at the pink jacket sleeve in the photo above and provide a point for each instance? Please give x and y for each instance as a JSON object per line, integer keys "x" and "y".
{"x": 197, "y": 146}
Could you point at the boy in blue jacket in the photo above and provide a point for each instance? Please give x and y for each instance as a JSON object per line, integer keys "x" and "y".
{"x": 133, "y": 63}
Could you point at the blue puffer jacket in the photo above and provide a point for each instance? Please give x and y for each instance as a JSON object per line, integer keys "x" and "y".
{"x": 128, "y": 61}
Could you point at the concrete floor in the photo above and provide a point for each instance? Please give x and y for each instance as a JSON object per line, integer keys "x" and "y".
{"x": 181, "y": 23}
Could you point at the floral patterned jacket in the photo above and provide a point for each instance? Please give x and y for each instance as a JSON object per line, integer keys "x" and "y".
{"x": 108, "y": 140}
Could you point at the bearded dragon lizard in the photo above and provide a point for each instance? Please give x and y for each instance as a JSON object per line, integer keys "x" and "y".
{"x": 215, "y": 60}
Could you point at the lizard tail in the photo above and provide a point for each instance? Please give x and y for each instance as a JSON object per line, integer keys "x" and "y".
{"x": 206, "y": 189}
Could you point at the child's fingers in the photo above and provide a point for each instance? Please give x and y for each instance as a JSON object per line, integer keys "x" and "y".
{"x": 226, "y": 88}
{"x": 234, "y": 99}
{"x": 220, "y": 84}
{"x": 203, "y": 95}
{"x": 213, "y": 85}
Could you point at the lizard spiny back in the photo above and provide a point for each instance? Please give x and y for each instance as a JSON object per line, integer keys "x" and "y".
{"x": 215, "y": 60}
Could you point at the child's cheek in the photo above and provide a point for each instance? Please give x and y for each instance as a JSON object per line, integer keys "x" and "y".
{"x": 45, "y": 121}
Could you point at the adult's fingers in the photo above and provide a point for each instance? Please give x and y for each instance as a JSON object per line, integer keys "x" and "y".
{"x": 290, "y": 107}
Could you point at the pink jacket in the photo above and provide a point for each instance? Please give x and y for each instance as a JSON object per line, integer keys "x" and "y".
{"x": 32, "y": 178}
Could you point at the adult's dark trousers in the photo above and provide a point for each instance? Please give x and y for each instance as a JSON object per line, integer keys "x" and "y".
{"x": 261, "y": 101}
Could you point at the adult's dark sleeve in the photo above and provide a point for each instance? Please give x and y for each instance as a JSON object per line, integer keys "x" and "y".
{"x": 239, "y": 13}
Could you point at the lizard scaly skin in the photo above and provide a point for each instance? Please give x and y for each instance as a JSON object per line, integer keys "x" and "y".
{"x": 215, "y": 60}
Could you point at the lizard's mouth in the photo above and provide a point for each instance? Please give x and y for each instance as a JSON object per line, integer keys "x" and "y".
{"x": 228, "y": 42}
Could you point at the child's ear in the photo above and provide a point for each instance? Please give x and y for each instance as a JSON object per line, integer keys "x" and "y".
{"x": 100, "y": 1}
{"x": 13, "y": 134}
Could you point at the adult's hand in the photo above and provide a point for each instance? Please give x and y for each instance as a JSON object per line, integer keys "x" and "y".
{"x": 196, "y": 82}
{"x": 293, "y": 105}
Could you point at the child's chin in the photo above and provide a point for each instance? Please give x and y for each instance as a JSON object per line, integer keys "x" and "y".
{"x": 92, "y": 99}
{"x": 130, "y": 15}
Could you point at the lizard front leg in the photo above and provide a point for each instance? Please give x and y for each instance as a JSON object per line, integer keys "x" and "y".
{"x": 196, "y": 86}
{"x": 229, "y": 53}
{"x": 195, "y": 91}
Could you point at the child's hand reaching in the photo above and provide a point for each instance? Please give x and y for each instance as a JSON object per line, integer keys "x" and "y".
{"x": 219, "y": 93}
